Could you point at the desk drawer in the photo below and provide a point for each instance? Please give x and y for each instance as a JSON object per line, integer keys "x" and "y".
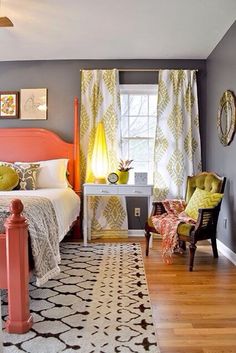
{"x": 134, "y": 190}
{"x": 101, "y": 190}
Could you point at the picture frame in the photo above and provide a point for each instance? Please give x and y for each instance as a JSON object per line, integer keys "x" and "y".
{"x": 34, "y": 104}
{"x": 140, "y": 178}
{"x": 9, "y": 105}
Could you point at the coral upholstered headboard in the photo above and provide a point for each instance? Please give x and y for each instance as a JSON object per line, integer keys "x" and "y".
{"x": 33, "y": 144}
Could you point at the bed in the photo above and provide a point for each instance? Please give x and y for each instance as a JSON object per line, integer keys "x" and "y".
{"x": 16, "y": 247}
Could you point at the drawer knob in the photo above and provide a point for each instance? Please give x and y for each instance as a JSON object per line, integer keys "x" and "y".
{"x": 104, "y": 191}
{"x": 137, "y": 192}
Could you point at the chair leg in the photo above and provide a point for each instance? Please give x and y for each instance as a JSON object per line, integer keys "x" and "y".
{"x": 182, "y": 244}
{"x": 147, "y": 236}
{"x": 214, "y": 247}
{"x": 192, "y": 249}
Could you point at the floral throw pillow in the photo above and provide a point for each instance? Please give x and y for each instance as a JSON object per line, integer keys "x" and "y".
{"x": 28, "y": 175}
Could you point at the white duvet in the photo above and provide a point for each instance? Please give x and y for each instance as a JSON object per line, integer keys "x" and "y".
{"x": 65, "y": 202}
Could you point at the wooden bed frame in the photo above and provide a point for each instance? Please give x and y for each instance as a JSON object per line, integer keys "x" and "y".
{"x": 28, "y": 145}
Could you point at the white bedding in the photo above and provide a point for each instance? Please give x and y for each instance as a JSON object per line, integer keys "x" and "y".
{"x": 65, "y": 202}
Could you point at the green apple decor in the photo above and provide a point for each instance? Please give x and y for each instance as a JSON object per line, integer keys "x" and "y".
{"x": 123, "y": 171}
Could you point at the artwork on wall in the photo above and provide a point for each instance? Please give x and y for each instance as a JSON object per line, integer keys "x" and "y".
{"x": 33, "y": 103}
{"x": 9, "y": 105}
{"x": 226, "y": 118}
{"x": 140, "y": 178}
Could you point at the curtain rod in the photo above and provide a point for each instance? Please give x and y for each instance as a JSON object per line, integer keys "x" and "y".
{"x": 152, "y": 70}
{"x": 140, "y": 70}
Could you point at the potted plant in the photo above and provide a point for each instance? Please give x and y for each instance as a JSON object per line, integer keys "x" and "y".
{"x": 123, "y": 170}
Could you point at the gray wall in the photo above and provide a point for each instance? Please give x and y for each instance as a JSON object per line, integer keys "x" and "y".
{"x": 62, "y": 78}
{"x": 221, "y": 75}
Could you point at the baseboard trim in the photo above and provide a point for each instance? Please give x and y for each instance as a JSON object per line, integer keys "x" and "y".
{"x": 136, "y": 233}
{"x": 228, "y": 253}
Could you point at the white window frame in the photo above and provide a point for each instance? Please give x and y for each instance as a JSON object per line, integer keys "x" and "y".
{"x": 139, "y": 89}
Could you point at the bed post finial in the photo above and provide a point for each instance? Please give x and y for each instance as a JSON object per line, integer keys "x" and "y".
{"x": 17, "y": 263}
{"x": 76, "y": 146}
{"x": 16, "y": 207}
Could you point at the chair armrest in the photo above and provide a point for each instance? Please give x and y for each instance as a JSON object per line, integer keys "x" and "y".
{"x": 207, "y": 217}
{"x": 157, "y": 209}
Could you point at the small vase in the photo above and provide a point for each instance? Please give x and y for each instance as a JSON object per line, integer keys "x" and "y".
{"x": 123, "y": 176}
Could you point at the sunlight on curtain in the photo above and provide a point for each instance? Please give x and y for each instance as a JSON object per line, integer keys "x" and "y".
{"x": 100, "y": 101}
{"x": 177, "y": 152}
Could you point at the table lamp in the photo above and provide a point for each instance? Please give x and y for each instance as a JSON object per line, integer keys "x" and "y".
{"x": 99, "y": 163}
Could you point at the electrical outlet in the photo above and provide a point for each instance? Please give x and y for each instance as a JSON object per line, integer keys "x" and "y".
{"x": 137, "y": 212}
{"x": 225, "y": 223}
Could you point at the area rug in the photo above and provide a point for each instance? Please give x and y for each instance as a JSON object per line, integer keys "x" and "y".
{"x": 99, "y": 303}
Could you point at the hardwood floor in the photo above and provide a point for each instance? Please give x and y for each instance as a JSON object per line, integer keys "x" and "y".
{"x": 193, "y": 312}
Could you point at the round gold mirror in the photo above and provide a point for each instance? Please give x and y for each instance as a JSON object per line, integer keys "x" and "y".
{"x": 226, "y": 118}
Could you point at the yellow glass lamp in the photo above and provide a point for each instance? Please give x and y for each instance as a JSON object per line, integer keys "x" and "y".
{"x": 99, "y": 163}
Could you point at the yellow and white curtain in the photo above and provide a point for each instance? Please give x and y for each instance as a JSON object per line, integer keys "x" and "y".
{"x": 100, "y": 102}
{"x": 177, "y": 151}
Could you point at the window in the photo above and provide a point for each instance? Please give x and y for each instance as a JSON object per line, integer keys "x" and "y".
{"x": 138, "y": 127}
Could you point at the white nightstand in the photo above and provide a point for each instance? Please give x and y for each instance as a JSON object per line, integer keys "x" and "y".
{"x": 111, "y": 189}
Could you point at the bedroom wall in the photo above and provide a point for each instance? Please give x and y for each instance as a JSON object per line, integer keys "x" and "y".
{"x": 221, "y": 75}
{"x": 62, "y": 78}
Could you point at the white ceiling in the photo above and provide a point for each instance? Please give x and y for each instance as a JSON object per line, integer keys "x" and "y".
{"x": 114, "y": 29}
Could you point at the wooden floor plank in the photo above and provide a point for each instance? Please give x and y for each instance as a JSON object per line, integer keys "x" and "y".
{"x": 220, "y": 349}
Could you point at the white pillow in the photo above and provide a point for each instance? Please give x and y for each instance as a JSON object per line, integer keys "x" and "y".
{"x": 52, "y": 173}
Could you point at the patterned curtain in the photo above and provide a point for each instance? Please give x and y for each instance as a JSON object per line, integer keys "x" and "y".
{"x": 177, "y": 151}
{"x": 100, "y": 101}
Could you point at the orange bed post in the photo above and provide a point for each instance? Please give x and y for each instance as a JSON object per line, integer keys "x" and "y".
{"x": 76, "y": 147}
{"x": 76, "y": 232}
{"x": 19, "y": 318}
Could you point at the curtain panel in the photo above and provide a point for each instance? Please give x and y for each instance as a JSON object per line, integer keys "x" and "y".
{"x": 100, "y": 101}
{"x": 177, "y": 152}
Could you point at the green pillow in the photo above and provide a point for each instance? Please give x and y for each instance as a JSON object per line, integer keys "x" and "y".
{"x": 201, "y": 199}
{"x": 9, "y": 178}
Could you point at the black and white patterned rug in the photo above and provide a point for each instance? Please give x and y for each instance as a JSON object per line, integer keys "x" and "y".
{"x": 99, "y": 303}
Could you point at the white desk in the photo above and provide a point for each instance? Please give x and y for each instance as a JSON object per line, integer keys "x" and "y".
{"x": 111, "y": 189}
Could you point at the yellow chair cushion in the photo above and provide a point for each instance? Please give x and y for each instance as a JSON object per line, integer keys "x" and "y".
{"x": 202, "y": 199}
{"x": 9, "y": 178}
{"x": 185, "y": 229}
{"x": 150, "y": 224}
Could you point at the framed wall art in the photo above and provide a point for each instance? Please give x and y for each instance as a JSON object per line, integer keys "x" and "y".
{"x": 140, "y": 178}
{"x": 9, "y": 105}
{"x": 33, "y": 104}
{"x": 226, "y": 118}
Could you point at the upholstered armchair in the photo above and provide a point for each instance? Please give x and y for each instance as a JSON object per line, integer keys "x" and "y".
{"x": 206, "y": 218}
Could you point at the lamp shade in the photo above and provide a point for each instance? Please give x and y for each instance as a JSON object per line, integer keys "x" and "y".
{"x": 99, "y": 163}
